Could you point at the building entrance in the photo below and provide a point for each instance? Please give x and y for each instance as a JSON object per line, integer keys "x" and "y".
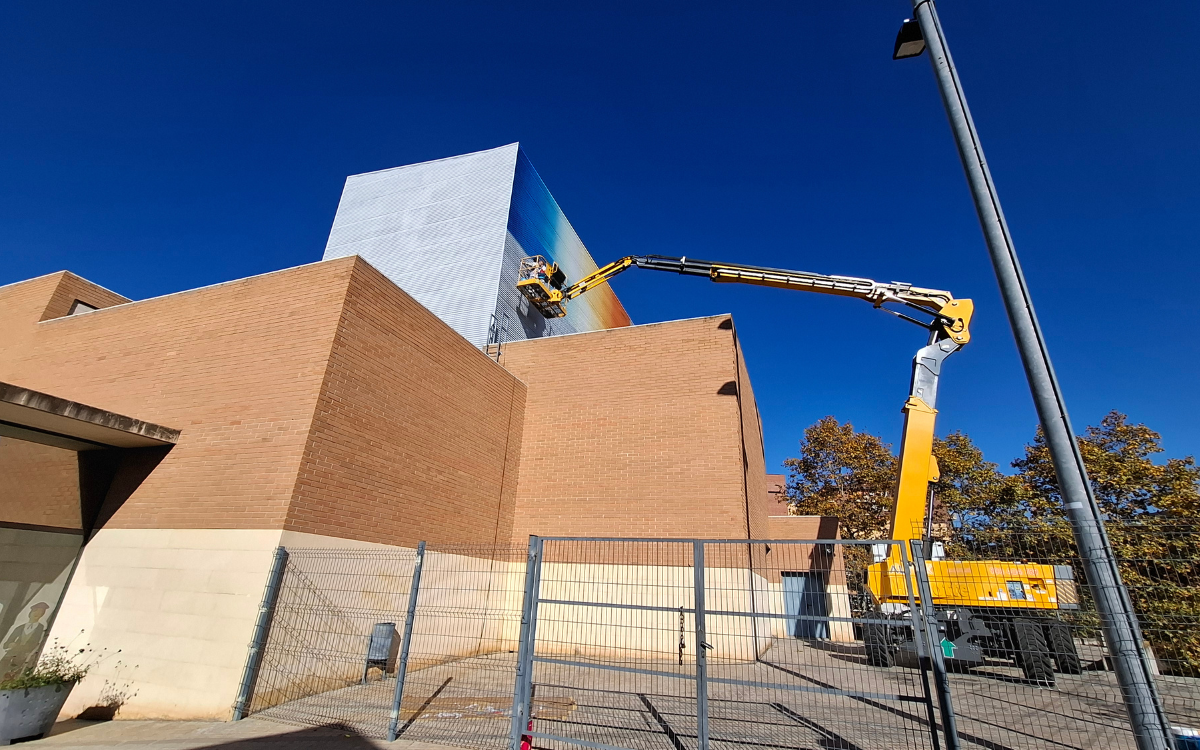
{"x": 58, "y": 460}
{"x": 804, "y": 595}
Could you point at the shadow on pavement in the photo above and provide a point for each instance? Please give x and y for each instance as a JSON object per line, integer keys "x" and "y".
{"x": 181, "y": 736}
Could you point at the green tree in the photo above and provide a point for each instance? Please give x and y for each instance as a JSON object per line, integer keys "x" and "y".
{"x": 1151, "y": 513}
{"x": 852, "y": 475}
{"x": 1126, "y": 482}
{"x": 972, "y": 493}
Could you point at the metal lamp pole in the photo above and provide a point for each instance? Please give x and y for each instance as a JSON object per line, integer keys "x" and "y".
{"x": 1121, "y": 631}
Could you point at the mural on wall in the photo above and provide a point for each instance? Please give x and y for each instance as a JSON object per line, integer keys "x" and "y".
{"x": 36, "y": 566}
{"x": 537, "y": 226}
{"x": 40, "y": 537}
{"x": 23, "y": 644}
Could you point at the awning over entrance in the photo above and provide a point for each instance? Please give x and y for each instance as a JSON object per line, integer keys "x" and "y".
{"x": 64, "y": 468}
{"x": 41, "y": 418}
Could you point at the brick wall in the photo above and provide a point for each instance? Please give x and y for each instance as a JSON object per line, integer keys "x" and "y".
{"x": 47, "y": 297}
{"x": 237, "y": 367}
{"x": 71, "y": 289}
{"x": 754, "y": 463}
{"x": 417, "y": 433}
{"x": 320, "y": 399}
{"x": 636, "y": 432}
{"x": 39, "y": 485}
{"x": 806, "y": 557}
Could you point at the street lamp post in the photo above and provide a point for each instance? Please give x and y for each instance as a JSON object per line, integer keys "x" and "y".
{"x": 1122, "y": 633}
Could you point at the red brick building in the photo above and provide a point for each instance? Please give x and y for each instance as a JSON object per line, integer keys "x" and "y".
{"x": 322, "y": 406}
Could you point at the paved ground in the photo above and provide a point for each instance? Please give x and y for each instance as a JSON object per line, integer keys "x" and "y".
{"x": 789, "y": 700}
{"x": 249, "y": 734}
{"x": 802, "y": 696}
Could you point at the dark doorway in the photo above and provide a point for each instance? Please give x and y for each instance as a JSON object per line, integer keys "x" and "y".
{"x": 804, "y": 595}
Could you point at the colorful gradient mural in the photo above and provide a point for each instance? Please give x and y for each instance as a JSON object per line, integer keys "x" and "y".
{"x": 539, "y": 227}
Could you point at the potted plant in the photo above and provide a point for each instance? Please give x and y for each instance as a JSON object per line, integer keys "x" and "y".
{"x": 30, "y": 702}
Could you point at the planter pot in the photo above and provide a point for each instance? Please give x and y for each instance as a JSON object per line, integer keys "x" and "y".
{"x": 30, "y": 712}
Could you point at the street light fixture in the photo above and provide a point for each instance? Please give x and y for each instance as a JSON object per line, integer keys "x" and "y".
{"x": 909, "y": 42}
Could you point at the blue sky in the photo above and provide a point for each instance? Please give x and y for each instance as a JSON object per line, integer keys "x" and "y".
{"x": 156, "y": 147}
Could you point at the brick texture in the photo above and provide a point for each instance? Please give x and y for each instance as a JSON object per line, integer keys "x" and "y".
{"x": 320, "y": 399}
{"x": 753, "y": 461}
{"x": 72, "y": 289}
{"x": 237, "y": 367}
{"x": 323, "y": 399}
{"x": 647, "y": 431}
{"x": 417, "y": 433}
{"x": 39, "y": 485}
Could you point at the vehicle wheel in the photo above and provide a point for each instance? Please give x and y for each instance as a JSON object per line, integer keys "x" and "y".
{"x": 877, "y": 637}
{"x": 1032, "y": 655}
{"x": 1062, "y": 648}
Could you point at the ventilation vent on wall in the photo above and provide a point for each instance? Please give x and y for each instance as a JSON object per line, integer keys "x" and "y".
{"x": 79, "y": 307}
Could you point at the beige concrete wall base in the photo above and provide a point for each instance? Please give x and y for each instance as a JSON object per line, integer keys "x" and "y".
{"x": 173, "y": 610}
{"x": 466, "y": 608}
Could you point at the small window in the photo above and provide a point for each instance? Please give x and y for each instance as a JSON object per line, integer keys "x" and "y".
{"x": 79, "y": 307}
{"x": 1016, "y": 590}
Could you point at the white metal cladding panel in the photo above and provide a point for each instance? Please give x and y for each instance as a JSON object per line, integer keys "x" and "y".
{"x": 436, "y": 229}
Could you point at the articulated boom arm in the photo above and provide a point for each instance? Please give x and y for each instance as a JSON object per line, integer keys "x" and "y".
{"x": 598, "y": 277}
{"x": 952, "y": 315}
{"x": 949, "y": 327}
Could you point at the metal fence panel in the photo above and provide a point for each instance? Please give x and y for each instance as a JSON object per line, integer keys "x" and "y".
{"x": 1045, "y": 676}
{"x": 689, "y": 644}
{"x": 693, "y": 644}
{"x": 461, "y": 659}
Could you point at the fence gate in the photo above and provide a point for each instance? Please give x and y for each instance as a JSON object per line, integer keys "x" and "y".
{"x": 633, "y": 644}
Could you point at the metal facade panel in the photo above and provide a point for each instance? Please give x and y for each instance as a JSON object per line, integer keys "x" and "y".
{"x": 452, "y": 234}
{"x": 436, "y": 229}
{"x": 515, "y": 318}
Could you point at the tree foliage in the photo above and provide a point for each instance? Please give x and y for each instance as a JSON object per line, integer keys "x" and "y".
{"x": 843, "y": 473}
{"x": 1126, "y": 482}
{"x": 1152, "y": 510}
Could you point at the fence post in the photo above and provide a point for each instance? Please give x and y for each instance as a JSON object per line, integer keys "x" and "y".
{"x": 262, "y": 627}
{"x": 932, "y": 645}
{"x": 924, "y": 658}
{"x": 524, "y": 682}
{"x": 701, "y": 647}
{"x": 406, "y": 642}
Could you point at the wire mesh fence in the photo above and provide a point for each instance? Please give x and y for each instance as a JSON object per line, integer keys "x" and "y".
{"x": 1044, "y": 651}
{"x": 690, "y": 644}
{"x": 332, "y": 653}
{"x": 685, "y": 644}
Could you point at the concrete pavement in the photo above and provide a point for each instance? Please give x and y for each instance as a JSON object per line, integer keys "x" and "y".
{"x": 248, "y": 734}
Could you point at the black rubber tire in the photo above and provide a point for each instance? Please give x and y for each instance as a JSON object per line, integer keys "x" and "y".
{"x": 1032, "y": 654}
{"x": 877, "y": 637}
{"x": 1062, "y": 648}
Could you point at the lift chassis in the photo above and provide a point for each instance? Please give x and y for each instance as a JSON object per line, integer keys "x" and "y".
{"x": 1038, "y": 643}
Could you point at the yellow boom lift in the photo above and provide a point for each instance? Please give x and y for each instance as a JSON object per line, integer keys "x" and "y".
{"x": 985, "y": 608}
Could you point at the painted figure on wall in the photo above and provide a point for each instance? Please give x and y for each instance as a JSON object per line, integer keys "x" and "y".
{"x": 22, "y": 645}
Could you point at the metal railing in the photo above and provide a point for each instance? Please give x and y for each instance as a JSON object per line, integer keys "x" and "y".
{"x": 1049, "y": 680}
{"x": 441, "y": 674}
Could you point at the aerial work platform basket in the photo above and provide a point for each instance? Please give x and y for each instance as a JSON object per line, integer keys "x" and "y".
{"x": 541, "y": 282}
